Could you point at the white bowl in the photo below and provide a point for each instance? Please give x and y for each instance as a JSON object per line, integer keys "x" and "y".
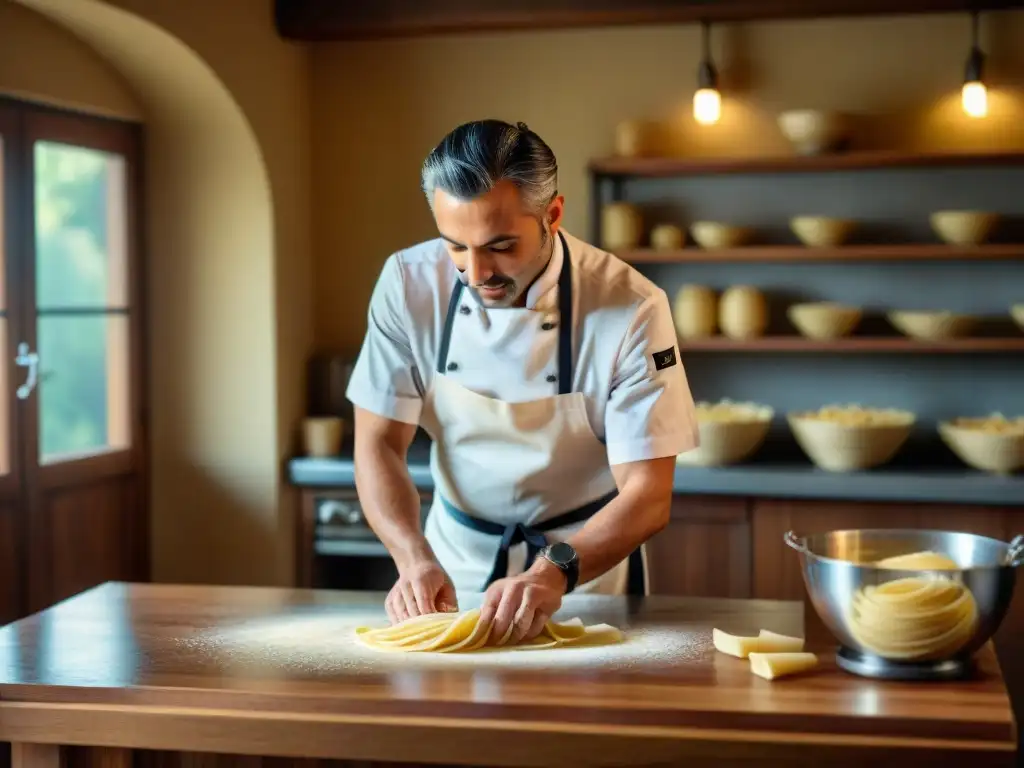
{"x": 852, "y": 439}
{"x": 824, "y": 319}
{"x": 963, "y": 227}
{"x": 821, "y": 231}
{"x": 714, "y": 234}
{"x": 729, "y": 433}
{"x": 813, "y": 131}
{"x": 991, "y": 445}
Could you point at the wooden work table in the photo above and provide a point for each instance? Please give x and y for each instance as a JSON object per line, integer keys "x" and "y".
{"x": 114, "y": 670}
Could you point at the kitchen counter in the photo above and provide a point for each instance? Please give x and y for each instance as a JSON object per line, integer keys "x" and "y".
{"x": 153, "y": 667}
{"x": 791, "y": 478}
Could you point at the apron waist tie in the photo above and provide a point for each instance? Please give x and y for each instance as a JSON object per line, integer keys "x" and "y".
{"x": 517, "y": 533}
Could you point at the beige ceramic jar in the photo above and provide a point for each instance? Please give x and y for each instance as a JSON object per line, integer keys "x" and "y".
{"x": 742, "y": 312}
{"x": 667, "y": 237}
{"x": 621, "y": 227}
{"x": 695, "y": 312}
{"x": 629, "y": 138}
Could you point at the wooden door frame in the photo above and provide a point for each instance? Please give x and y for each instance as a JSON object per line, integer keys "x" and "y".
{"x": 35, "y": 122}
{"x": 12, "y": 484}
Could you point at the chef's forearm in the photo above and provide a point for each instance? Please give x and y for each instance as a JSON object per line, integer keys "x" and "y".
{"x": 611, "y": 536}
{"x": 389, "y": 498}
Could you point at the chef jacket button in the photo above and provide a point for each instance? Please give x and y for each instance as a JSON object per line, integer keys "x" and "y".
{"x": 453, "y": 366}
{"x": 552, "y": 378}
{"x": 464, "y": 309}
{"x": 547, "y": 326}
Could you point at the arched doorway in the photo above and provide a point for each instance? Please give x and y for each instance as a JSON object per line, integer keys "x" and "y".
{"x": 211, "y": 341}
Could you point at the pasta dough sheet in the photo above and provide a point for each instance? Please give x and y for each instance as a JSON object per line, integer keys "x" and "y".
{"x": 464, "y": 633}
{"x": 916, "y": 618}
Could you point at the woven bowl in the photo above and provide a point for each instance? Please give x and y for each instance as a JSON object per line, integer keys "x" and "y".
{"x": 812, "y": 131}
{"x": 838, "y": 446}
{"x": 729, "y": 433}
{"x": 991, "y": 445}
{"x": 824, "y": 319}
{"x": 1017, "y": 313}
{"x": 821, "y": 231}
{"x": 931, "y": 325}
{"x": 714, "y": 234}
{"x": 963, "y": 227}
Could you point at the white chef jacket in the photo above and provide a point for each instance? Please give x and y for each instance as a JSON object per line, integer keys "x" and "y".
{"x": 623, "y": 336}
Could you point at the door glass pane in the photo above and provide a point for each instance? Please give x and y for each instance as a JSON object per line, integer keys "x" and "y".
{"x": 83, "y": 390}
{"x": 81, "y": 300}
{"x": 80, "y": 227}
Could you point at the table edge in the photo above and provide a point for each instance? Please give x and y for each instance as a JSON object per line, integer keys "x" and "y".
{"x": 373, "y": 737}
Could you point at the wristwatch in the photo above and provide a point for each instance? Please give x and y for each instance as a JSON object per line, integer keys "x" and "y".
{"x": 564, "y": 557}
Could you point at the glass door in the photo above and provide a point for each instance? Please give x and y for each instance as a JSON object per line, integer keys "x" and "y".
{"x": 83, "y": 419}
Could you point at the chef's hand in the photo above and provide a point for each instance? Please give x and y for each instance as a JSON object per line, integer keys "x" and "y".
{"x": 524, "y": 602}
{"x": 422, "y": 587}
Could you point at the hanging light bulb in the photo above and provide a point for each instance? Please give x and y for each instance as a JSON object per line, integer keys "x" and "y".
{"x": 707, "y": 101}
{"x": 974, "y": 95}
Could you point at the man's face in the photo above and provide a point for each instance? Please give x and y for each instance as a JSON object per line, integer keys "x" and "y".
{"x": 500, "y": 247}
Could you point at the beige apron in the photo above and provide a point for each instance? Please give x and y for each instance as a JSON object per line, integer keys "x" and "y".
{"x": 510, "y": 477}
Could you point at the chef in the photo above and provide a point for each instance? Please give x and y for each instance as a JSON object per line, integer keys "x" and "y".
{"x": 547, "y": 374}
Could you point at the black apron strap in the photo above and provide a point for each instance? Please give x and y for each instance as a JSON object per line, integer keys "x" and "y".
{"x": 446, "y": 333}
{"x": 565, "y": 322}
{"x": 517, "y": 533}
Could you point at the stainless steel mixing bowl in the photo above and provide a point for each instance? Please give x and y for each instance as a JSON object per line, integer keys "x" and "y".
{"x": 837, "y": 564}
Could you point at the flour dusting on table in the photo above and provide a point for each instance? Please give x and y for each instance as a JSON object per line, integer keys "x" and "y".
{"x": 325, "y": 643}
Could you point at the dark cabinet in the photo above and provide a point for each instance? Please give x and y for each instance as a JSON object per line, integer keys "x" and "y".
{"x": 705, "y": 551}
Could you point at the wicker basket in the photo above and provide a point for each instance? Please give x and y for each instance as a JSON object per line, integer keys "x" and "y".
{"x": 839, "y": 447}
{"x": 932, "y": 325}
{"x": 824, "y": 319}
{"x": 731, "y": 439}
{"x": 999, "y": 452}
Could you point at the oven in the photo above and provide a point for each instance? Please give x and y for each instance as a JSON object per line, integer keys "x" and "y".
{"x": 346, "y": 552}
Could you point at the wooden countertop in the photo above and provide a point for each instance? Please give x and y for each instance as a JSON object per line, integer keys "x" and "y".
{"x": 154, "y": 667}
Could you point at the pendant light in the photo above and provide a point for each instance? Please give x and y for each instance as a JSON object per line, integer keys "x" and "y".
{"x": 707, "y": 102}
{"x": 974, "y": 96}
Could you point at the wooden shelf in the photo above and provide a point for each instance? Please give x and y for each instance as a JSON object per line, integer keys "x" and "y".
{"x": 322, "y": 20}
{"x": 886, "y": 344}
{"x": 789, "y": 253}
{"x": 839, "y": 161}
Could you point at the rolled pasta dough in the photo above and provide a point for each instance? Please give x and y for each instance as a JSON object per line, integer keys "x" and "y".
{"x": 464, "y": 632}
{"x": 915, "y": 618}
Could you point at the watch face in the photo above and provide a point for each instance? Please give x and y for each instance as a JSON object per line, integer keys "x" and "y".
{"x": 561, "y": 553}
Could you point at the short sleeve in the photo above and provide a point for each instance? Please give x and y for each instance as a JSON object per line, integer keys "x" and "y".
{"x": 650, "y": 412}
{"x": 384, "y": 380}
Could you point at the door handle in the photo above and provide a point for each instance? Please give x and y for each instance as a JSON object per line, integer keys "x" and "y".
{"x": 29, "y": 360}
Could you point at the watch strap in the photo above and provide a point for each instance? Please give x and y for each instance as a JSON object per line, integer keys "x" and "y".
{"x": 571, "y": 569}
